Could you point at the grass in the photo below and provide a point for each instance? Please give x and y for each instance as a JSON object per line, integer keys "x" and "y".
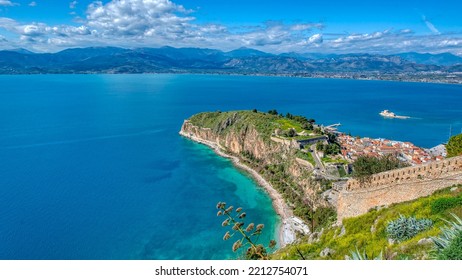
{"x": 368, "y": 232}
{"x": 305, "y": 137}
{"x": 333, "y": 160}
{"x": 264, "y": 123}
{"x": 285, "y": 124}
{"x": 306, "y": 156}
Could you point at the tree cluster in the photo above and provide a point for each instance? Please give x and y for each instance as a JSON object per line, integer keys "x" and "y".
{"x": 365, "y": 166}
{"x": 454, "y": 146}
{"x": 328, "y": 149}
{"x": 305, "y": 123}
{"x": 273, "y": 112}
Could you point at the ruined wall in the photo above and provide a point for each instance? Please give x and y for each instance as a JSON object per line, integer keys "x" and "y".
{"x": 431, "y": 170}
{"x": 397, "y": 186}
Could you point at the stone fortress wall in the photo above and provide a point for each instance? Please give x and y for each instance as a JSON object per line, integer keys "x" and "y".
{"x": 397, "y": 186}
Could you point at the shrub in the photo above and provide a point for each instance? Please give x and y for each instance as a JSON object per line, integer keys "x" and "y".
{"x": 454, "y": 146}
{"x": 405, "y": 228}
{"x": 448, "y": 246}
{"x": 444, "y": 203}
{"x": 453, "y": 251}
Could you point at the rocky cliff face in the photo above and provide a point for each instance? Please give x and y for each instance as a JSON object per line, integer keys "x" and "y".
{"x": 237, "y": 142}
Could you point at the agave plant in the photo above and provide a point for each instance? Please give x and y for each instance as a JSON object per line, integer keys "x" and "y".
{"x": 448, "y": 243}
{"x": 360, "y": 256}
{"x": 405, "y": 228}
{"x": 248, "y": 234}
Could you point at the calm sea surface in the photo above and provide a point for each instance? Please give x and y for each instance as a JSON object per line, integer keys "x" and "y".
{"x": 92, "y": 166}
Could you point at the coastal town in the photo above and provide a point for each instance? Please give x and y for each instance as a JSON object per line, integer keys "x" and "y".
{"x": 354, "y": 147}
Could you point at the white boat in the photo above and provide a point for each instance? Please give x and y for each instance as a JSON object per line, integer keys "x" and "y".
{"x": 389, "y": 114}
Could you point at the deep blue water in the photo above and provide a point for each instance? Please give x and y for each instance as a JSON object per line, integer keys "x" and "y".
{"x": 92, "y": 166}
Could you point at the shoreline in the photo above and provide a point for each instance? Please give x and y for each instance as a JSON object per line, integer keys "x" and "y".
{"x": 286, "y": 231}
{"x": 245, "y": 74}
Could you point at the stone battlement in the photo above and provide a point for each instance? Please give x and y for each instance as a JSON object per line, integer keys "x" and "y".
{"x": 398, "y": 185}
{"x": 432, "y": 170}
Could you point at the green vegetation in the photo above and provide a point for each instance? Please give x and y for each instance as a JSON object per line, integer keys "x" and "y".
{"x": 235, "y": 220}
{"x": 368, "y": 232}
{"x": 286, "y": 124}
{"x": 273, "y": 112}
{"x": 264, "y": 123}
{"x": 454, "y": 146}
{"x": 445, "y": 203}
{"x": 366, "y": 166}
{"x": 294, "y": 195}
{"x": 298, "y": 123}
{"x": 356, "y": 255}
{"x": 328, "y": 149}
{"x": 405, "y": 228}
{"x": 306, "y": 156}
{"x": 448, "y": 246}
{"x": 328, "y": 159}
{"x": 222, "y": 122}
{"x": 341, "y": 171}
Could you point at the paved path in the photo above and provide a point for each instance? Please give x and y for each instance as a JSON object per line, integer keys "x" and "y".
{"x": 317, "y": 160}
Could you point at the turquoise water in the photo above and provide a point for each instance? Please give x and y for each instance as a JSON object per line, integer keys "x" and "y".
{"x": 92, "y": 166}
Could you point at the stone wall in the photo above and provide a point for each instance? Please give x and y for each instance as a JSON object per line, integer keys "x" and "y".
{"x": 397, "y": 186}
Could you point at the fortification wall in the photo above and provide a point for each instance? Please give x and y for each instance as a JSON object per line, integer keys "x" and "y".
{"x": 398, "y": 186}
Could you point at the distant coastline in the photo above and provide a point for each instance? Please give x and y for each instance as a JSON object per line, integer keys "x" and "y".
{"x": 326, "y": 76}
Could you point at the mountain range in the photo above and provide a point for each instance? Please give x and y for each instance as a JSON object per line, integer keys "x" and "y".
{"x": 198, "y": 60}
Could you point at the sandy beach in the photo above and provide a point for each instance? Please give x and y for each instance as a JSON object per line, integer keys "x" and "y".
{"x": 287, "y": 228}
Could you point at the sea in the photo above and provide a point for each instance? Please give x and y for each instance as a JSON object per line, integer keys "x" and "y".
{"x": 92, "y": 166}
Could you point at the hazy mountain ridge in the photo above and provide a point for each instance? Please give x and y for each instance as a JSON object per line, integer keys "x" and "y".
{"x": 169, "y": 59}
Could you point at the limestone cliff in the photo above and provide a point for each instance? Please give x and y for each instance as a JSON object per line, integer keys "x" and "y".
{"x": 247, "y": 140}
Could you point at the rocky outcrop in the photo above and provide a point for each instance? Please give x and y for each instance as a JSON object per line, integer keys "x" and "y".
{"x": 247, "y": 140}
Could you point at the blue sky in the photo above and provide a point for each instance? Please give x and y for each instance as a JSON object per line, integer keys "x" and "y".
{"x": 274, "y": 26}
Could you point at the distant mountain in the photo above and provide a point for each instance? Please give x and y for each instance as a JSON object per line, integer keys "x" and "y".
{"x": 246, "y": 52}
{"x": 21, "y": 50}
{"x": 194, "y": 60}
{"x": 445, "y": 59}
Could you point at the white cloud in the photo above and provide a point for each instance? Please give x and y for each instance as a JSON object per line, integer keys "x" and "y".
{"x": 141, "y": 23}
{"x": 138, "y": 18}
{"x": 73, "y": 4}
{"x": 362, "y": 37}
{"x": 33, "y": 4}
{"x": 430, "y": 25}
{"x": 315, "y": 39}
{"x": 406, "y": 31}
{"x": 7, "y": 3}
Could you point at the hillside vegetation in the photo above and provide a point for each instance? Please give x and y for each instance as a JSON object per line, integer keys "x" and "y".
{"x": 220, "y": 122}
{"x": 454, "y": 146}
{"x": 368, "y": 233}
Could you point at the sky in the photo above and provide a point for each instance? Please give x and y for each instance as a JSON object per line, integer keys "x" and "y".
{"x": 335, "y": 26}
